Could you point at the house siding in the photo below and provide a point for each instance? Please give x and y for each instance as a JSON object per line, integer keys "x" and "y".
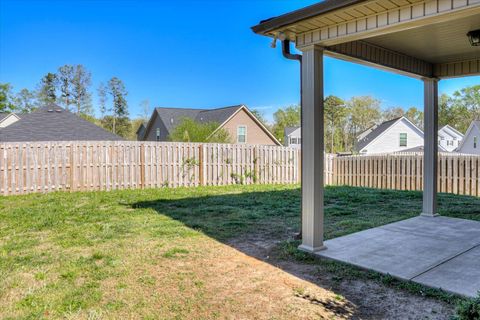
{"x": 295, "y": 134}
{"x": 449, "y": 136}
{"x": 151, "y": 134}
{"x": 255, "y": 133}
{"x": 8, "y": 120}
{"x": 467, "y": 146}
{"x": 389, "y": 141}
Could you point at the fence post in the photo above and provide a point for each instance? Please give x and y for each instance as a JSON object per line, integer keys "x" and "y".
{"x": 142, "y": 165}
{"x": 201, "y": 163}
{"x": 72, "y": 168}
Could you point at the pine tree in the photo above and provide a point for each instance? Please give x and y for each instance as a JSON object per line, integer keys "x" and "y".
{"x": 47, "y": 93}
{"x": 65, "y": 80}
{"x": 82, "y": 99}
{"x": 120, "y": 107}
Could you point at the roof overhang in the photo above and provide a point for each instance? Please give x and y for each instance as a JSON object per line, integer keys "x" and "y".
{"x": 420, "y": 38}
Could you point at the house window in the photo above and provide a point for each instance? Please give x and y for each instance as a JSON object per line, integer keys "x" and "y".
{"x": 403, "y": 139}
{"x": 241, "y": 134}
{"x": 158, "y": 134}
{"x": 475, "y": 142}
{"x": 293, "y": 141}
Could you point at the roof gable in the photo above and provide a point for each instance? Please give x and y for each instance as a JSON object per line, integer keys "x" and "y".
{"x": 377, "y": 131}
{"x": 449, "y": 130}
{"x": 289, "y": 130}
{"x": 171, "y": 117}
{"x": 7, "y": 119}
{"x": 474, "y": 124}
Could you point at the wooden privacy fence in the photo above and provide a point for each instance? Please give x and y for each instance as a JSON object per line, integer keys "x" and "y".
{"x": 92, "y": 165}
{"x": 457, "y": 173}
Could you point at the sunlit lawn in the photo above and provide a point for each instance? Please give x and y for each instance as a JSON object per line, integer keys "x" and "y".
{"x": 155, "y": 253}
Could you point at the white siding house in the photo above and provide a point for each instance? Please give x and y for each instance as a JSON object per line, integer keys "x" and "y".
{"x": 395, "y": 135}
{"x": 449, "y": 138}
{"x": 8, "y": 119}
{"x": 471, "y": 142}
{"x": 293, "y": 137}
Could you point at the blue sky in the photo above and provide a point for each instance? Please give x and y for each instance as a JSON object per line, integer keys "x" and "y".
{"x": 199, "y": 54}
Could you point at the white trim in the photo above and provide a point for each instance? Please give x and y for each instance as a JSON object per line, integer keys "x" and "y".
{"x": 467, "y": 134}
{"x": 244, "y": 107}
{"x": 242, "y": 126}
{"x": 390, "y": 127}
{"x": 7, "y": 117}
{"x": 449, "y": 127}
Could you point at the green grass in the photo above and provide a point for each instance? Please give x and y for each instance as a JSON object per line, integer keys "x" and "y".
{"x": 63, "y": 255}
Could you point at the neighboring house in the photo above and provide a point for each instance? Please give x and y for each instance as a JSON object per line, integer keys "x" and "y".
{"x": 238, "y": 121}
{"x": 51, "y": 123}
{"x": 395, "y": 135}
{"x": 141, "y": 132}
{"x": 7, "y": 119}
{"x": 293, "y": 137}
{"x": 471, "y": 142}
{"x": 449, "y": 138}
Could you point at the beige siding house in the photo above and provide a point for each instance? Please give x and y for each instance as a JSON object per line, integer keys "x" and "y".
{"x": 240, "y": 123}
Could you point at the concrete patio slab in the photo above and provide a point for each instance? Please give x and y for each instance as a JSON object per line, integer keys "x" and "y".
{"x": 459, "y": 275}
{"x": 431, "y": 251}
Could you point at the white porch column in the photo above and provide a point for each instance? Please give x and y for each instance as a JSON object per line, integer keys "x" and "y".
{"x": 312, "y": 149}
{"x": 430, "y": 154}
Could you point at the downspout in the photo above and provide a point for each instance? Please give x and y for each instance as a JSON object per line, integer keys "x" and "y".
{"x": 298, "y": 57}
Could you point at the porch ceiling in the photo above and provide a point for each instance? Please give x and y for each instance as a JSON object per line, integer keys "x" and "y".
{"x": 421, "y": 38}
{"x": 436, "y": 43}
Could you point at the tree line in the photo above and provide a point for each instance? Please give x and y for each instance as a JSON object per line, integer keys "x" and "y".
{"x": 345, "y": 120}
{"x": 70, "y": 87}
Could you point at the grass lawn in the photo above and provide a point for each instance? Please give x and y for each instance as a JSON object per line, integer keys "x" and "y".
{"x": 156, "y": 254}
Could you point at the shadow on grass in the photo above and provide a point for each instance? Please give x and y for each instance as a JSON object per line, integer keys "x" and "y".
{"x": 277, "y": 213}
{"x": 262, "y": 224}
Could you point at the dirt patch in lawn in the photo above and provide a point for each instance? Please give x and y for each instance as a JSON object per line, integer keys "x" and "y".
{"x": 371, "y": 299}
{"x": 207, "y": 279}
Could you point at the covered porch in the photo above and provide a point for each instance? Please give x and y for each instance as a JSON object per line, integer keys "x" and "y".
{"x": 426, "y": 39}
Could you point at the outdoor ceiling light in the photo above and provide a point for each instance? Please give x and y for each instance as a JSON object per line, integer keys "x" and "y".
{"x": 474, "y": 37}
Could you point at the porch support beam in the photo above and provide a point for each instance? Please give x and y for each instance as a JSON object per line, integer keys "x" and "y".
{"x": 372, "y": 55}
{"x": 430, "y": 154}
{"x": 312, "y": 149}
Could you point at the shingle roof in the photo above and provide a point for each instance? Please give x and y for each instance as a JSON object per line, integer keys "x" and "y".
{"x": 449, "y": 127}
{"x": 53, "y": 123}
{"x": 289, "y": 130}
{"x": 3, "y": 115}
{"x": 375, "y": 132}
{"x": 171, "y": 117}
